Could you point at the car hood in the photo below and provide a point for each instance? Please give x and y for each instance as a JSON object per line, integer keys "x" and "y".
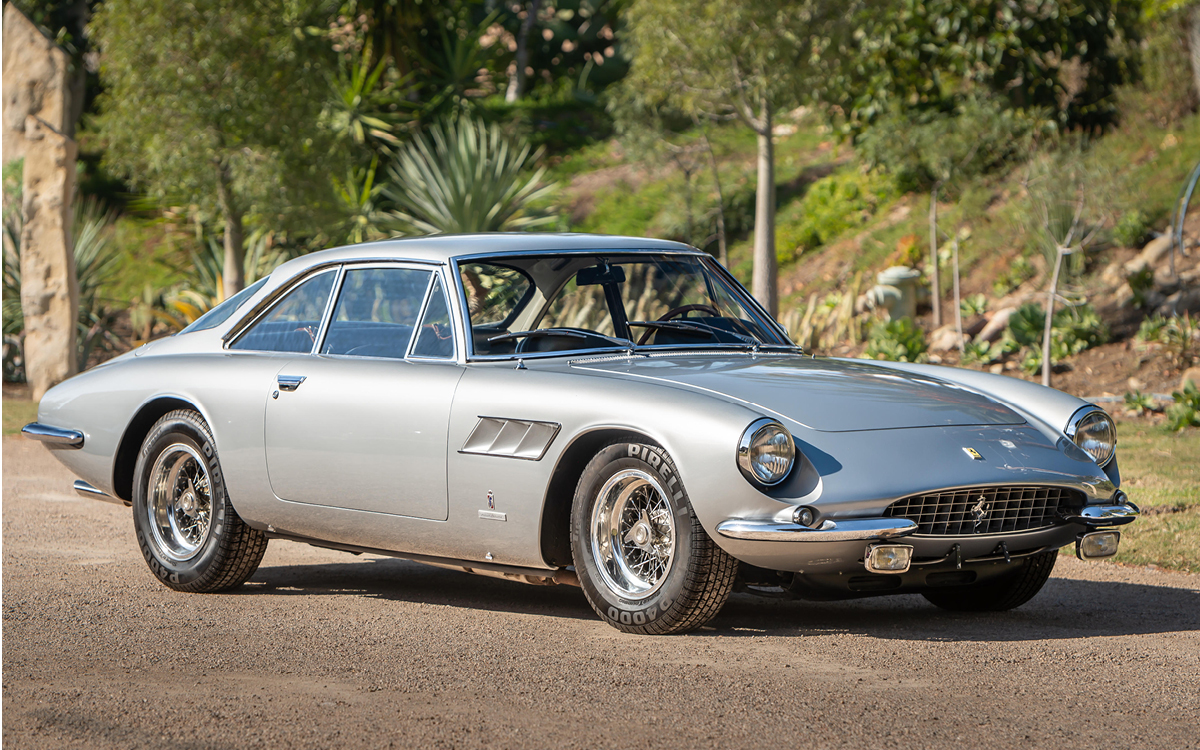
{"x": 821, "y": 394}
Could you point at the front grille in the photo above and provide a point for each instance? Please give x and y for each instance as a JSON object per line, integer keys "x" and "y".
{"x": 984, "y": 510}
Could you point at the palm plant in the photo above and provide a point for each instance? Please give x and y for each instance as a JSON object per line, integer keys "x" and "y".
{"x": 203, "y": 286}
{"x": 95, "y": 268}
{"x": 358, "y": 201}
{"x": 466, "y": 176}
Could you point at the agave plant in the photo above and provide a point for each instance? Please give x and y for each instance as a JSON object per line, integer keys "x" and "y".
{"x": 466, "y": 176}
{"x": 95, "y": 267}
{"x": 203, "y": 286}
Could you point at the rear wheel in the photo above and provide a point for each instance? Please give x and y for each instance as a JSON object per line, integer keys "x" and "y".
{"x": 190, "y": 535}
{"x": 1008, "y": 593}
{"x": 644, "y": 561}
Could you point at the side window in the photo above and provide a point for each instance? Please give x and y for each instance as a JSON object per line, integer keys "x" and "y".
{"x": 376, "y": 312}
{"x": 436, "y": 339}
{"x": 292, "y": 324}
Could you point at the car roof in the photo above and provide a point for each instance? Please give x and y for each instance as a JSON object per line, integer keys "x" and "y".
{"x": 441, "y": 248}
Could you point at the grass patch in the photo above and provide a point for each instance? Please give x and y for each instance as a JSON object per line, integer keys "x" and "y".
{"x": 17, "y": 414}
{"x": 1160, "y": 470}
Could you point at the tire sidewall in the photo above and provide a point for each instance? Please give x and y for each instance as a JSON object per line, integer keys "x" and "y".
{"x": 189, "y": 430}
{"x": 669, "y": 598}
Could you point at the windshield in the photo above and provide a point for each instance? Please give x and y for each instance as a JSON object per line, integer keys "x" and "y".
{"x": 221, "y": 312}
{"x": 567, "y": 303}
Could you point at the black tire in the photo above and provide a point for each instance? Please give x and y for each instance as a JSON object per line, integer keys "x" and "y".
{"x": 697, "y": 579}
{"x": 1008, "y": 593}
{"x": 218, "y": 551}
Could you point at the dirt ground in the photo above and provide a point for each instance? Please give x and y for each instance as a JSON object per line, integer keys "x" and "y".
{"x": 322, "y": 649}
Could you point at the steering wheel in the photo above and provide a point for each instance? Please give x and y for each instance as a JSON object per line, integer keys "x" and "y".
{"x": 675, "y": 312}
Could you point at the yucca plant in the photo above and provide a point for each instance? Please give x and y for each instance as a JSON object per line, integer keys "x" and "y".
{"x": 466, "y": 176}
{"x": 95, "y": 267}
{"x": 203, "y": 286}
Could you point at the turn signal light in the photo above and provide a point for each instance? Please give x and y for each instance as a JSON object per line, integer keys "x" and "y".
{"x": 1096, "y": 545}
{"x": 888, "y": 558}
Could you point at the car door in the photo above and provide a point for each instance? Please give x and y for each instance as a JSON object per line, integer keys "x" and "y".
{"x": 361, "y": 423}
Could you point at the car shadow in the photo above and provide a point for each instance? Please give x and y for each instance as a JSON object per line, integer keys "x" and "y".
{"x": 1064, "y": 609}
{"x": 395, "y": 579}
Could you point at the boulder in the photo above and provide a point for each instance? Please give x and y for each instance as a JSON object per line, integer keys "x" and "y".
{"x": 1192, "y": 374}
{"x": 1183, "y": 301}
{"x": 996, "y": 325}
{"x": 36, "y": 76}
{"x": 1154, "y": 251}
{"x": 943, "y": 339}
{"x": 49, "y": 295}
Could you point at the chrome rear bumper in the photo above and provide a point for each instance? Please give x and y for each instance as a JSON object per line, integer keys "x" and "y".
{"x": 831, "y": 530}
{"x": 53, "y": 435}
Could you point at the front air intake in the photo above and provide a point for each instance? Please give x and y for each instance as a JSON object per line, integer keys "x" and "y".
{"x": 984, "y": 510}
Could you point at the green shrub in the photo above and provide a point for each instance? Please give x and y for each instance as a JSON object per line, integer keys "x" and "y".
{"x": 980, "y": 352}
{"x": 1185, "y": 412}
{"x": 1075, "y": 329}
{"x": 974, "y": 305}
{"x": 1138, "y": 402}
{"x": 1140, "y": 282}
{"x": 896, "y": 341}
{"x": 1019, "y": 271}
{"x": 1151, "y": 328}
{"x": 1131, "y": 229}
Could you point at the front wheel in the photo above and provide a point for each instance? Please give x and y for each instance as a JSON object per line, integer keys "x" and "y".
{"x": 190, "y": 535}
{"x": 1008, "y": 593}
{"x": 644, "y": 561}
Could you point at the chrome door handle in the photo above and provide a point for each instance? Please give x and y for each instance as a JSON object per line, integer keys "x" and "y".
{"x": 289, "y": 382}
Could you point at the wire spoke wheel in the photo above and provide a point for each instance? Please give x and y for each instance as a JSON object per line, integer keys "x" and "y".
{"x": 633, "y": 534}
{"x": 180, "y": 506}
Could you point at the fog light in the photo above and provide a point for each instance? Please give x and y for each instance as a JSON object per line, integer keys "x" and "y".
{"x": 1097, "y": 544}
{"x": 889, "y": 558}
{"x": 803, "y": 517}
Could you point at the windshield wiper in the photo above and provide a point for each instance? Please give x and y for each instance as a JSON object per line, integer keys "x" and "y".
{"x": 565, "y": 332}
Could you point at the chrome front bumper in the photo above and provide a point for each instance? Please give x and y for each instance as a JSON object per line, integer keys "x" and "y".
{"x": 840, "y": 530}
{"x": 1122, "y": 512}
{"x": 53, "y": 435}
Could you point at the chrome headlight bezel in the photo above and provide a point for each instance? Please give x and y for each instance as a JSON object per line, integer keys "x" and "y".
{"x": 758, "y": 433}
{"x": 1079, "y": 430}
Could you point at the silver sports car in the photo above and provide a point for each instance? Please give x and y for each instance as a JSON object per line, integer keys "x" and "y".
{"x": 609, "y": 412}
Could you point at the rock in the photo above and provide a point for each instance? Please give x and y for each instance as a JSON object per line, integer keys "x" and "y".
{"x": 1113, "y": 275}
{"x": 1183, "y": 301}
{"x": 996, "y": 325}
{"x": 996, "y": 369}
{"x": 943, "y": 339}
{"x": 1192, "y": 374}
{"x": 1154, "y": 251}
{"x": 975, "y": 326}
{"x": 36, "y": 74}
{"x": 49, "y": 296}
{"x": 37, "y": 121}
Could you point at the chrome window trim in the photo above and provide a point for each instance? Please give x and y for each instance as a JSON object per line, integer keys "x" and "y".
{"x": 735, "y": 288}
{"x": 255, "y": 312}
{"x": 267, "y": 306}
{"x": 412, "y": 344}
{"x": 330, "y": 306}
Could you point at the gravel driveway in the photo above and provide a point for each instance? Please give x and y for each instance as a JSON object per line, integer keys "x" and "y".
{"x": 324, "y": 649}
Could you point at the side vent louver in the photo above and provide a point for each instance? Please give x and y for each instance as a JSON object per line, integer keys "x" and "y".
{"x": 511, "y": 438}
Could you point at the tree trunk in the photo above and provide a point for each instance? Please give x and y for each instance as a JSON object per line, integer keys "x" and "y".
{"x": 722, "y": 251}
{"x": 935, "y": 296}
{"x": 1193, "y": 33}
{"x": 957, "y": 300}
{"x": 765, "y": 271}
{"x": 516, "y": 84}
{"x": 233, "y": 277}
{"x": 1046, "y": 334}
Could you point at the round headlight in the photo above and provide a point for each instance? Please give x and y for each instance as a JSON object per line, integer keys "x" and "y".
{"x": 766, "y": 452}
{"x": 1093, "y": 431}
